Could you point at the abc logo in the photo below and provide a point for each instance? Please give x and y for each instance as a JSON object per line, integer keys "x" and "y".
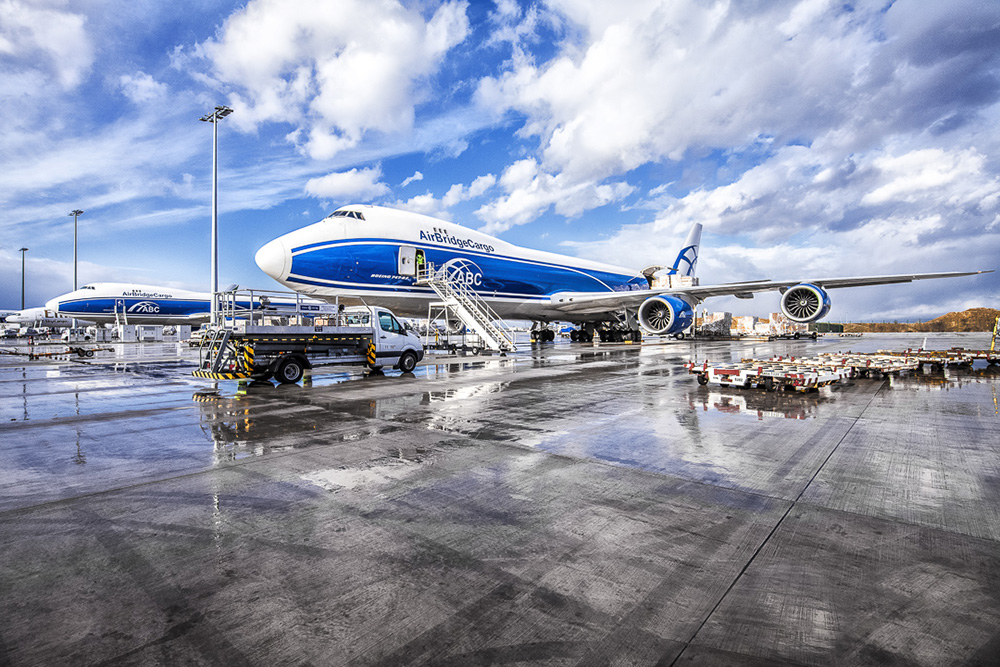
{"x": 145, "y": 307}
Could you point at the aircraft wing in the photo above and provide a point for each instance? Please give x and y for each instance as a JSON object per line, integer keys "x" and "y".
{"x": 596, "y": 302}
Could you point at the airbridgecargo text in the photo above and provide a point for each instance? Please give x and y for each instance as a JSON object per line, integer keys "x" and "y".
{"x": 437, "y": 236}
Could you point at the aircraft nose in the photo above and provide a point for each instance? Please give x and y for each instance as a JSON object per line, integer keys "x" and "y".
{"x": 274, "y": 260}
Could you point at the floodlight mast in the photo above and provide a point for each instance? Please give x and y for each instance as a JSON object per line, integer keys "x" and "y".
{"x": 22, "y": 251}
{"x": 76, "y": 213}
{"x": 214, "y": 118}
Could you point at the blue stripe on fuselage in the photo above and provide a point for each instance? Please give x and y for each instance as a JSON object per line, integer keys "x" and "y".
{"x": 374, "y": 262}
{"x": 156, "y": 308}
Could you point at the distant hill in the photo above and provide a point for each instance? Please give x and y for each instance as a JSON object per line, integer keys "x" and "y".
{"x": 973, "y": 319}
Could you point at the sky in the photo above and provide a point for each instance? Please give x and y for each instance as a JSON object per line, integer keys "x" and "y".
{"x": 811, "y": 138}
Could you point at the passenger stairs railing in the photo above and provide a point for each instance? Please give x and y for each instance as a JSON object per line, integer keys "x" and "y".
{"x": 450, "y": 284}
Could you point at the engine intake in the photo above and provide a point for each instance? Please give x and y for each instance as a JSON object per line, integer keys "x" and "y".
{"x": 665, "y": 315}
{"x": 805, "y": 303}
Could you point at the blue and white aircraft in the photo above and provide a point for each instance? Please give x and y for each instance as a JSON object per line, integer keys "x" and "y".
{"x": 136, "y": 304}
{"x": 150, "y": 304}
{"x": 371, "y": 253}
{"x": 41, "y": 317}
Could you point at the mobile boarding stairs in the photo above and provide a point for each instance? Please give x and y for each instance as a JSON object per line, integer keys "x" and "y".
{"x": 453, "y": 283}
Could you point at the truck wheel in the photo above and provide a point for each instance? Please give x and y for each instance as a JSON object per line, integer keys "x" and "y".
{"x": 679, "y": 335}
{"x": 407, "y": 362}
{"x": 289, "y": 370}
{"x": 796, "y": 335}
{"x": 702, "y": 378}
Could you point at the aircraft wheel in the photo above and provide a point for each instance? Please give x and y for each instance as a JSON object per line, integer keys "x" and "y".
{"x": 289, "y": 370}
{"x": 407, "y": 362}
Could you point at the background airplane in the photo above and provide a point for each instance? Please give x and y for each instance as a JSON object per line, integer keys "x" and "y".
{"x": 42, "y": 317}
{"x": 152, "y": 304}
{"x": 363, "y": 252}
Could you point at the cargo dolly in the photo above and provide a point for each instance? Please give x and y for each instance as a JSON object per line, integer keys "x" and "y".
{"x": 799, "y": 373}
{"x": 769, "y": 375}
{"x": 69, "y": 353}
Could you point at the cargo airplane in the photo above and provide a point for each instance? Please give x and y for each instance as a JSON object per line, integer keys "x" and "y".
{"x": 41, "y": 317}
{"x": 372, "y": 253}
{"x": 150, "y": 304}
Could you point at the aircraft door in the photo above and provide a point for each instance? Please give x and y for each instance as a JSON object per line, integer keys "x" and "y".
{"x": 407, "y": 261}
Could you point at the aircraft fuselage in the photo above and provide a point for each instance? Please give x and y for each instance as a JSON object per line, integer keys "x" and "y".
{"x": 374, "y": 259}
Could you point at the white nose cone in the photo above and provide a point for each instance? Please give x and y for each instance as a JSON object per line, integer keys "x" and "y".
{"x": 274, "y": 260}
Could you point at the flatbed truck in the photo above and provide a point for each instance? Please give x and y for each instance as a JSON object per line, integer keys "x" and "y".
{"x": 361, "y": 335}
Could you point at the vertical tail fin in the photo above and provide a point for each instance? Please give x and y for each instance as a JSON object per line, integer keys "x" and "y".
{"x": 687, "y": 258}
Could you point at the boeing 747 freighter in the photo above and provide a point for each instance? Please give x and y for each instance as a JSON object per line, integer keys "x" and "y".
{"x": 150, "y": 304}
{"x": 372, "y": 253}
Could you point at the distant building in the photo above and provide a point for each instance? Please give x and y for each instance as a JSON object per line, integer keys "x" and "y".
{"x": 719, "y": 324}
{"x": 744, "y": 324}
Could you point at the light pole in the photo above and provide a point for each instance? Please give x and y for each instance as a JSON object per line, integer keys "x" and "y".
{"x": 76, "y": 214}
{"x": 214, "y": 118}
{"x": 22, "y": 251}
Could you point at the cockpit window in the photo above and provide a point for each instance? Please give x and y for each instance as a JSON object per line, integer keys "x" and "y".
{"x": 357, "y": 215}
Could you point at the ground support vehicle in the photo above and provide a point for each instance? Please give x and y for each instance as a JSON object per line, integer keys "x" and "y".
{"x": 806, "y": 373}
{"x": 795, "y": 335}
{"x": 369, "y": 336}
{"x": 768, "y": 375}
{"x": 956, "y": 356}
{"x": 69, "y": 353}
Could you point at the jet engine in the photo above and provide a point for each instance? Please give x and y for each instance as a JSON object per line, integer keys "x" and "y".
{"x": 665, "y": 315}
{"x": 805, "y": 303}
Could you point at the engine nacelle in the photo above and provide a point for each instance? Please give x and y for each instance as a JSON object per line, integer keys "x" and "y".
{"x": 805, "y": 303}
{"x": 665, "y": 315}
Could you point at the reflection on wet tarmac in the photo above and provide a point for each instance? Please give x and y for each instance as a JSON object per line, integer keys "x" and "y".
{"x": 775, "y": 405}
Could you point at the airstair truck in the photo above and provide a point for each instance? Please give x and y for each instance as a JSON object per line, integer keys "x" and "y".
{"x": 360, "y": 335}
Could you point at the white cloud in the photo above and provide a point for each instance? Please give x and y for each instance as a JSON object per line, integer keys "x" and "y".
{"x": 336, "y": 70}
{"x": 428, "y": 204}
{"x": 141, "y": 87}
{"x": 531, "y": 192}
{"x": 930, "y": 173}
{"x": 417, "y": 176}
{"x": 651, "y": 80}
{"x": 43, "y": 30}
{"x": 356, "y": 184}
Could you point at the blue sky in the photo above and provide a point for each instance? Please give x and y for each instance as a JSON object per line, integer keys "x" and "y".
{"x": 811, "y": 138}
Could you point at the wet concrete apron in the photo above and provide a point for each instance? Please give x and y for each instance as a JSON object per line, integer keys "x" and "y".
{"x": 566, "y": 505}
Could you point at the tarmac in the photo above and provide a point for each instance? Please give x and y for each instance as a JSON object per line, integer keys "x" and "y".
{"x": 568, "y": 504}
